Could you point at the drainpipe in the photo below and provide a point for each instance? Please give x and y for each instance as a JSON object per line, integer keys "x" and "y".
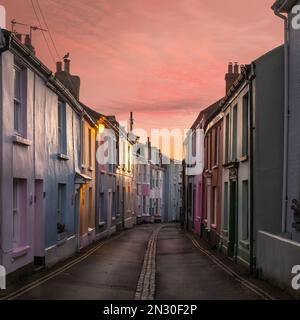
{"x": 286, "y": 118}
{"x": 251, "y": 145}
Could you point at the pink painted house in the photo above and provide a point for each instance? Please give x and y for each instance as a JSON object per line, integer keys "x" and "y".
{"x": 197, "y": 178}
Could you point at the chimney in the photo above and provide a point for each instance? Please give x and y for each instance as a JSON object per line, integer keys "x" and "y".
{"x": 58, "y": 66}
{"x": 236, "y": 68}
{"x": 67, "y": 65}
{"x": 71, "y": 82}
{"x": 19, "y": 36}
{"x": 131, "y": 121}
{"x": 149, "y": 148}
{"x": 232, "y": 75}
{"x": 28, "y": 43}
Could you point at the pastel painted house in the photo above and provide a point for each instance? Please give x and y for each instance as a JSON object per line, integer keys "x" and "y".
{"x": 252, "y": 157}
{"x": 87, "y": 192}
{"x": 281, "y": 247}
{"x": 40, "y": 148}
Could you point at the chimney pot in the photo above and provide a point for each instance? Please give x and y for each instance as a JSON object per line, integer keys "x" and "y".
{"x": 236, "y": 68}
{"x": 67, "y": 65}
{"x": 58, "y": 66}
{"x": 19, "y": 36}
{"x": 230, "y": 67}
{"x": 28, "y": 44}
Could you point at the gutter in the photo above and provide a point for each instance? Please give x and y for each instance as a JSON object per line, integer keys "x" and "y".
{"x": 286, "y": 117}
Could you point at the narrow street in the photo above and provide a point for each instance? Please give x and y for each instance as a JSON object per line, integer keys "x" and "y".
{"x": 147, "y": 262}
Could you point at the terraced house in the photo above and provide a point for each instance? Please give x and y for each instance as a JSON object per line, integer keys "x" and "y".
{"x": 40, "y": 147}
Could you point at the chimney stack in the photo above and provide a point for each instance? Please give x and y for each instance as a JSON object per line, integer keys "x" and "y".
{"x": 232, "y": 75}
{"x": 28, "y": 43}
{"x": 71, "y": 82}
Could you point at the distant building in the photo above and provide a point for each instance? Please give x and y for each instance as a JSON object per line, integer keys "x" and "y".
{"x": 172, "y": 190}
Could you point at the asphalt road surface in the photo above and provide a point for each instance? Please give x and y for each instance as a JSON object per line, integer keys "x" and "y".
{"x": 147, "y": 262}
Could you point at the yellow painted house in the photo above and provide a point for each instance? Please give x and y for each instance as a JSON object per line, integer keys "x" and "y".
{"x": 87, "y": 193}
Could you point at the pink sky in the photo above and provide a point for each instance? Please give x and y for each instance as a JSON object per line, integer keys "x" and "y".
{"x": 163, "y": 59}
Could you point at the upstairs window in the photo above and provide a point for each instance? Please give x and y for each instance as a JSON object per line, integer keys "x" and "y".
{"x": 19, "y": 106}
{"x": 90, "y": 148}
{"x": 245, "y": 125}
{"x": 62, "y": 128}
{"x": 217, "y": 146}
{"x": 227, "y": 137}
{"x": 234, "y": 133}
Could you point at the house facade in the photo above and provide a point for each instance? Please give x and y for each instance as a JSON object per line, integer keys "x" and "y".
{"x": 40, "y": 147}
{"x": 252, "y": 136}
{"x": 282, "y": 248}
{"x": 212, "y": 180}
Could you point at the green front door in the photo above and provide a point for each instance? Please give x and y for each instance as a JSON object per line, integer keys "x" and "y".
{"x": 232, "y": 219}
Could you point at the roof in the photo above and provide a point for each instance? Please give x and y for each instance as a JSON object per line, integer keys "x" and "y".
{"x": 204, "y": 114}
{"x": 284, "y": 6}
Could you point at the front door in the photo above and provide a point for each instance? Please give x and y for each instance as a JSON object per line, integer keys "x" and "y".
{"x": 39, "y": 241}
{"x": 232, "y": 220}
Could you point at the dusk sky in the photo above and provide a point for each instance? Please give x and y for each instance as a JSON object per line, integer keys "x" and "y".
{"x": 164, "y": 60}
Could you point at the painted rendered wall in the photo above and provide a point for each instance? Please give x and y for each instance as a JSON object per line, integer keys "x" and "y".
{"x": 268, "y": 141}
{"x": 88, "y": 191}
{"x": 294, "y": 129}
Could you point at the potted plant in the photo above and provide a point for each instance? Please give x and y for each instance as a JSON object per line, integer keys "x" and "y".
{"x": 61, "y": 231}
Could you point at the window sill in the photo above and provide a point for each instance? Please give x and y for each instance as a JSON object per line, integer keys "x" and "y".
{"x": 214, "y": 226}
{"x": 20, "y": 252}
{"x": 215, "y": 167}
{"x": 61, "y": 236}
{"x": 244, "y": 244}
{"x": 244, "y": 159}
{"x": 225, "y": 233}
{"x": 102, "y": 224}
{"x": 103, "y": 172}
{"x": 21, "y": 141}
{"x": 83, "y": 166}
{"x": 63, "y": 157}
{"x": 91, "y": 169}
{"x": 90, "y": 231}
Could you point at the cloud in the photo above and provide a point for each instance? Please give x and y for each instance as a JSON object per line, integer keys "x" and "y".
{"x": 164, "y": 60}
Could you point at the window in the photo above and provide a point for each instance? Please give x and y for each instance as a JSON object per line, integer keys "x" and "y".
{"x": 61, "y": 204}
{"x": 90, "y": 148}
{"x": 82, "y": 143}
{"x": 144, "y": 204}
{"x": 62, "y": 128}
{"x": 225, "y": 216}
{"x": 194, "y": 144}
{"x": 245, "y": 213}
{"x": 151, "y": 207}
{"x": 210, "y": 151}
{"x": 215, "y": 206}
{"x": 217, "y": 146}
{"x": 234, "y": 133}
{"x": 227, "y": 144}
{"x": 245, "y": 125}
{"x": 102, "y": 215}
{"x": 91, "y": 215}
{"x": 19, "y": 212}
{"x": 19, "y": 111}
